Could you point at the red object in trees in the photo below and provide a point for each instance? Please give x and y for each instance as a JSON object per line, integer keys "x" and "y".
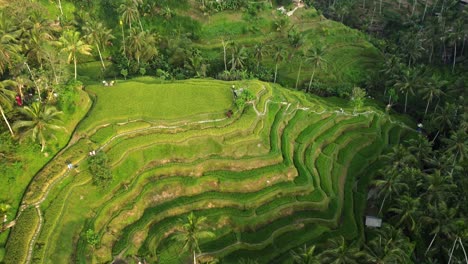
{"x": 19, "y": 101}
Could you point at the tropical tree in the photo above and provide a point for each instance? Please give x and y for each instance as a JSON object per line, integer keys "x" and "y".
{"x": 72, "y": 44}
{"x": 315, "y": 56}
{"x": 279, "y": 54}
{"x": 130, "y": 13}
{"x": 339, "y": 252}
{"x": 191, "y": 232}
{"x": 238, "y": 56}
{"x": 439, "y": 187}
{"x": 259, "y": 52}
{"x": 432, "y": 89}
{"x": 406, "y": 210}
{"x": 305, "y": 255}
{"x": 141, "y": 46}
{"x": 408, "y": 82}
{"x": 9, "y": 47}
{"x": 300, "y": 56}
{"x": 388, "y": 245}
{"x": 97, "y": 34}
{"x": 457, "y": 145}
{"x": 6, "y": 100}
{"x": 38, "y": 122}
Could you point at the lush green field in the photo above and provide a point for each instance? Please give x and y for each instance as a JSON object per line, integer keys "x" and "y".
{"x": 138, "y": 99}
{"x": 270, "y": 178}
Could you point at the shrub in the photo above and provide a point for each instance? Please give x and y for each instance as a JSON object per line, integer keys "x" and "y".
{"x": 100, "y": 169}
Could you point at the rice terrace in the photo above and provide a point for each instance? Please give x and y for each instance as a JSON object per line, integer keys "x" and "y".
{"x": 285, "y": 164}
{"x": 233, "y": 132}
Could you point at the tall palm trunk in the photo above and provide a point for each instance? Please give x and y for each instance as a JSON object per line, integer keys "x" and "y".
{"x": 454, "y": 57}
{"x": 298, "y": 74}
{"x": 276, "y": 71}
{"x": 432, "y": 241}
{"x": 382, "y": 205}
{"x": 224, "y": 54}
{"x": 74, "y": 62}
{"x": 194, "y": 257}
{"x": 100, "y": 56}
{"x": 311, "y": 79}
{"x": 427, "y": 106}
{"x": 406, "y": 100}
{"x": 6, "y": 121}
{"x": 60, "y": 7}
{"x": 425, "y": 9}
{"x": 414, "y": 7}
{"x": 34, "y": 80}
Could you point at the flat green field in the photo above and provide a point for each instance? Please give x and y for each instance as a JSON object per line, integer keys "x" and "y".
{"x": 287, "y": 169}
{"x": 139, "y": 99}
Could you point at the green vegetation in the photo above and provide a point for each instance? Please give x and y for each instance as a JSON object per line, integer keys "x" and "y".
{"x": 203, "y": 153}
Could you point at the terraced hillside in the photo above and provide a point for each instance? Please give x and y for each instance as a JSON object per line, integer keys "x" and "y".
{"x": 285, "y": 171}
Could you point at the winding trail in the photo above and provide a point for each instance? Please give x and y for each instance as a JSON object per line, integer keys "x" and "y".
{"x": 298, "y": 107}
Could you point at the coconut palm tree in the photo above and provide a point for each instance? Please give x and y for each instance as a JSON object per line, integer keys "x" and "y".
{"x": 260, "y": 50}
{"x": 38, "y": 123}
{"x": 339, "y": 252}
{"x": 97, "y": 34}
{"x": 72, "y": 44}
{"x": 141, "y": 45}
{"x": 279, "y": 54}
{"x": 388, "y": 245}
{"x": 300, "y": 56}
{"x": 130, "y": 13}
{"x": 406, "y": 210}
{"x": 316, "y": 56}
{"x": 305, "y": 255}
{"x": 6, "y": 100}
{"x": 409, "y": 81}
{"x": 9, "y": 47}
{"x": 238, "y": 56}
{"x": 457, "y": 145}
{"x": 191, "y": 232}
{"x": 432, "y": 89}
{"x": 439, "y": 187}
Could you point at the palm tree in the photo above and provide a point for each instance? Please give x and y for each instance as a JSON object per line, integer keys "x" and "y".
{"x": 238, "y": 56}
{"x": 130, "y": 13}
{"x": 443, "y": 118}
{"x": 141, "y": 45}
{"x": 316, "y": 57}
{"x": 408, "y": 82}
{"x": 441, "y": 220}
{"x": 259, "y": 52}
{"x": 432, "y": 89}
{"x": 97, "y": 34}
{"x": 225, "y": 44}
{"x": 8, "y": 47}
{"x": 6, "y": 100}
{"x": 279, "y": 54}
{"x": 455, "y": 35}
{"x": 438, "y": 186}
{"x": 339, "y": 252}
{"x": 300, "y": 55}
{"x": 72, "y": 44}
{"x": 406, "y": 209}
{"x": 388, "y": 245}
{"x": 305, "y": 255}
{"x": 39, "y": 120}
{"x": 191, "y": 232}
{"x": 457, "y": 145}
